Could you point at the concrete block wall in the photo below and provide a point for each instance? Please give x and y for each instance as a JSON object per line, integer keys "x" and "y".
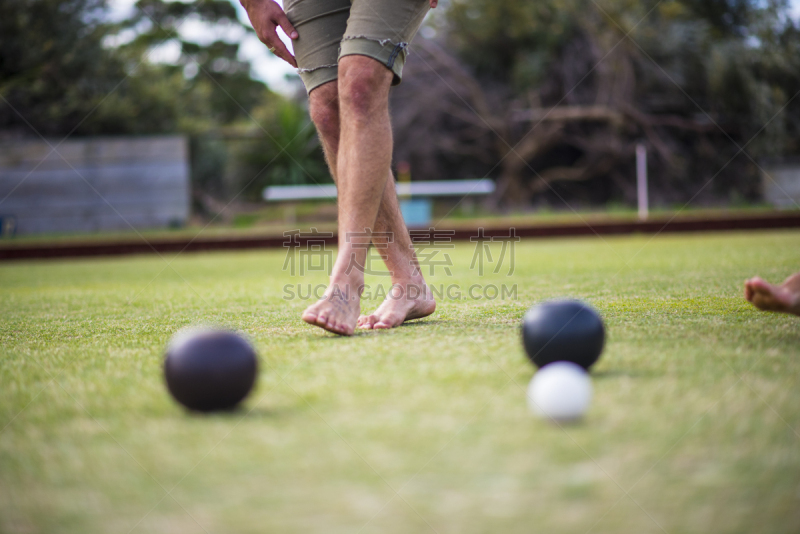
{"x": 781, "y": 183}
{"x": 94, "y": 184}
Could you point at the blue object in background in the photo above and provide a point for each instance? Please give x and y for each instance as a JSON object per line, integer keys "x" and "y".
{"x": 417, "y": 212}
{"x": 8, "y": 225}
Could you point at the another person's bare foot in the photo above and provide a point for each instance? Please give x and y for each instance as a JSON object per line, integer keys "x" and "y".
{"x": 784, "y": 298}
{"x": 337, "y": 311}
{"x": 403, "y": 303}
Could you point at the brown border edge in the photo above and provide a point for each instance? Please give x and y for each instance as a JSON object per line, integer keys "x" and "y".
{"x": 78, "y": 250}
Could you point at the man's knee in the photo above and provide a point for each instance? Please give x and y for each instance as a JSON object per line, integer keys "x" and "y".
{"x": 324, "y": 110}
{"x": 363, "y": 84}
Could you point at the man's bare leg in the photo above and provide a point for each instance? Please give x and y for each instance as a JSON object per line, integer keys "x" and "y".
{"x": 784, "y": 298}
{"x": 362, "y": 168}
{"x": 410, "y": 297}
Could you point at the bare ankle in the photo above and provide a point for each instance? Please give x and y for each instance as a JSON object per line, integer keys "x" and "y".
{"x": 347, "y": 286}
{"x": 410, "y": 290}
{"x": 409, "y": 279}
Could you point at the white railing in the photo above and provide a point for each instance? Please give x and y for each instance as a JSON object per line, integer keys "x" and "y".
{"x": 442, "y": 188}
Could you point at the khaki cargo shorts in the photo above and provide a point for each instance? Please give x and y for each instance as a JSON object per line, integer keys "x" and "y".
{"x": 331, "y": 29}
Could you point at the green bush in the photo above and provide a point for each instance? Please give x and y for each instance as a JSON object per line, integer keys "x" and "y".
{"x": 285, "y": 150}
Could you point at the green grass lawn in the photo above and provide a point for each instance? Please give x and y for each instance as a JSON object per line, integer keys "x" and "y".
{"x": 694, "y": 426}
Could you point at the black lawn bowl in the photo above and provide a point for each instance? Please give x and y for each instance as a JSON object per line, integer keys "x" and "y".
{"x": 210, "y": 370}
{"x": 563, "y": 330}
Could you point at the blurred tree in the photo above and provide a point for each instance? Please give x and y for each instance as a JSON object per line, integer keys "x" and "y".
{"x": 60, "y": 74}
{"x": 66, "y": 69}
{"x": 573, "y": 86}
{"x": 54, "y": 69}
{"x": 214, "y": 69}
{"x": 285, "y": 153}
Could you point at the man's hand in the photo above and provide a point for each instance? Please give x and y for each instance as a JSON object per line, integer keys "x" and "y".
{"x": 434, "y": 3}
{"x": 266, "y": 16}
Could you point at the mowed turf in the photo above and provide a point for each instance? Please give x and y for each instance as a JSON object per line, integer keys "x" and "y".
{"x": 694, "y": 426}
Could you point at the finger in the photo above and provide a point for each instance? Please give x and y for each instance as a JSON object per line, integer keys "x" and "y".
{"x": 286, "y": 26}
{"x": 277, "y": 47}
{"x": 434, "y": 3}
{"x": 266, "y": 34}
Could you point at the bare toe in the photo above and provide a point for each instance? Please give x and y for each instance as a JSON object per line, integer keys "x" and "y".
{"x": 335, "y": 312}
{"x": 368, "y": 322}
{"x": 748, "y": 291}
{"x": 389, "y": 321}
{"x": 402, "y": 305}
{"x": 766, "y": 296}
{"x": 309, "y": 316}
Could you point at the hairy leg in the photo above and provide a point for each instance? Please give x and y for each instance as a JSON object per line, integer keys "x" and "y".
{"x": 363, "y": 160}
{"x": 784, "y": 298}
{"x": 410, "y": 297}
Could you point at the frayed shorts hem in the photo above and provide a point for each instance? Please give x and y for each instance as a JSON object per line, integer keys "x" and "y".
{"x": 384, "y": 51}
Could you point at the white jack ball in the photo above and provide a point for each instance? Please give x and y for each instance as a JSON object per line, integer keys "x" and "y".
{"x": 560, "y": 391}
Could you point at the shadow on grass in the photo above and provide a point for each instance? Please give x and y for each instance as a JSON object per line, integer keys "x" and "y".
{"x": 264, "y": 412}
{"x": 422, "y": 322}
{"x": 409, "y": 324}
{"x": 617, "y": 373}
{"x": 239, "y": 412}
{"x": 360, "y": 332}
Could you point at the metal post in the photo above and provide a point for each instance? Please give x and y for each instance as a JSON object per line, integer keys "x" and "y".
{"x": 641, "y": 180}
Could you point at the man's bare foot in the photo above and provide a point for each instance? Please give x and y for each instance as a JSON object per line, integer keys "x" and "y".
{"x": 337, "y": 311}
{"x": 784, "y": 298}
{"x": 403, "y": 303}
